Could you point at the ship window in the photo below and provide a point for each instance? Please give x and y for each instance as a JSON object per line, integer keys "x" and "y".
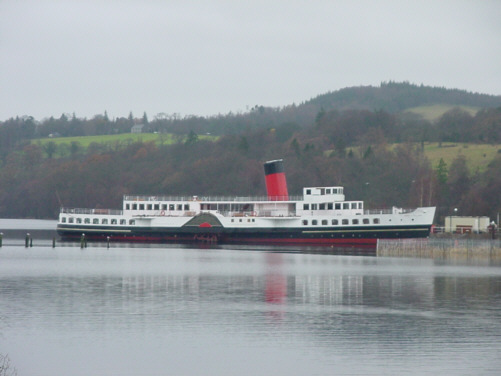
{"x": 63, "y": 219}
{"x": 375, "y": 220}
{"x": 186, "y": 206}
{"x": 346, "y": 205}
{"x": 314, "y": 222}
{"x": 313, "y": 206}
{"x": 360, "y": 205}
{"x": 322, "y": 206}
{"x": 164, "y": 206}
{"x": 354, "y": 221}
{"x": 330, "y": 205}
{"x": 123, "y": 221}
{"x": 132, "y": 222}
{"x": 127, "y": 206}
{"x": 134, "y": 207}
{"x": 179, "y": 207}
{"x": 79, "y": 220}
{"x": 306, "y": 206}
{"x": 95, "y": 221}
{"x": 253, "y": 220}
{"x": 324, "y": 222}
{"x": 240, "y": 220}
{"x": 305, "y": 222}
{"x": 104, "y": 222}
{"x": 141, "y": 206}
{"x": 338, "y": 206}
{"x": 171, "y": 206}
{"x": 113, "y": 221}
{"x": 334, "y": 190}
{"x": 328, "y": 191}
{"x": 344, "y": 222}
{"x": 232, "y": 220}
{"x": 87, "y": 220}
{"x": 149, "y": 207}
{"x": 308, "y": 191}
{"x": 156, "y": 207}
{"x": 366, "y": 221}
{"x": 335, "y": 222}
{"x": 353, "y": 205}
{"x": 70, "y": 220}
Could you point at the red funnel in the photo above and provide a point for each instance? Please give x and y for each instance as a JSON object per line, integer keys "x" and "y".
{"x": 276, "y": 185}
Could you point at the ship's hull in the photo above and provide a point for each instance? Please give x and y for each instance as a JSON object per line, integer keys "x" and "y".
{"x": 322, "y": 236}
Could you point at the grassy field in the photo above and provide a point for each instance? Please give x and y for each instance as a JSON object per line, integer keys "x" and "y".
{"x": 434, "y": 112}
{"x": 477, "y": 156}
{"x": 121, "y": 139}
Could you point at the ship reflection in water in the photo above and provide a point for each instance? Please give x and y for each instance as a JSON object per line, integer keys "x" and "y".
{"x": 146, "y": 310}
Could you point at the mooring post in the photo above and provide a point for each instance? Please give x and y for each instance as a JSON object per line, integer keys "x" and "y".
{"x": 54, "y": 242}
{"x": 27, "y": 240}
{"x": 82, "y": 241}
{"x": 108, "y": 242}
{"x": 1, "y": 239}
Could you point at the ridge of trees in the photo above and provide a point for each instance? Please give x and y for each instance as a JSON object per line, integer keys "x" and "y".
{"x": 319, "y": 151}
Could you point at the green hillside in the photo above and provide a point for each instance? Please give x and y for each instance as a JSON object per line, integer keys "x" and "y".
{"x": 435, "y": 111}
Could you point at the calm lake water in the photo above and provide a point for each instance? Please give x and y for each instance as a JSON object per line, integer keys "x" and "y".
{"x": 167, "y": 310}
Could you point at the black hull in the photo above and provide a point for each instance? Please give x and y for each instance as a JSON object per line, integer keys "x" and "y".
{"x": 320, "y": 236}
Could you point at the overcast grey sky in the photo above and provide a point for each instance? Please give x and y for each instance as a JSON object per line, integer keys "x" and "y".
{"x": 210, "y": 57}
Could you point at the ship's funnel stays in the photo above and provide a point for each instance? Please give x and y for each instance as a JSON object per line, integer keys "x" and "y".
{"x": 276, "y": 185}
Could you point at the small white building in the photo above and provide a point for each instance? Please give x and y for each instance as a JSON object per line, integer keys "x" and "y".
{"x": 138, "y": 128}
{"x": 465, "y": 225}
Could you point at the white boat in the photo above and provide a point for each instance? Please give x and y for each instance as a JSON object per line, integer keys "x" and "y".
{"x": 320, "y": 216}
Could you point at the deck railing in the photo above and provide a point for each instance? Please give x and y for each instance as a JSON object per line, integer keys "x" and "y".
{"x": 91, "y": 211}
{"x": 211, "y": 198}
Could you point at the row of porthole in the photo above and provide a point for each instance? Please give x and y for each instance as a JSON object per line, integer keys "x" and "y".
{"x": 95, "y": 221}
{"x": 335, "y": 222}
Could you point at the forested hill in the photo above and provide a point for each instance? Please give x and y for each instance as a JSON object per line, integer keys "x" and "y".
{"x": 396, "y": 97}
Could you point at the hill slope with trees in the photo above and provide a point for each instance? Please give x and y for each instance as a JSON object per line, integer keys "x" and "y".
{"x": 321, "y": 145}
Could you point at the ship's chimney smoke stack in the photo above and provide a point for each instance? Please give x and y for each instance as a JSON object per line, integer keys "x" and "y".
{"x": 276, "y": 185}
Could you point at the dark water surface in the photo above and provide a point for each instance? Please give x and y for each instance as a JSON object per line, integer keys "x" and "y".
{"x": 186, "y": 311}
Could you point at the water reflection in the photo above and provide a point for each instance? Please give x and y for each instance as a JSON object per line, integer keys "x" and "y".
{"x": 316, "y": 313}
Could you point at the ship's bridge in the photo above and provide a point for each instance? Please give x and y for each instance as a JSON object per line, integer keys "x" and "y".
{"x": 323, "y": 194}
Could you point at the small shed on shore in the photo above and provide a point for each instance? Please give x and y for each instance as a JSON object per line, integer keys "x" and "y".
{"x": 464, "y": 225}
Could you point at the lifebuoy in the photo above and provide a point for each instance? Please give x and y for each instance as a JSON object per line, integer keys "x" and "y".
{"x": 162, "y": 212}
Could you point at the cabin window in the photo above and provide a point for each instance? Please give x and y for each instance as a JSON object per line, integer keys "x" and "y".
{"x": 164, "y": 206}
{"x": 104, "y": 221}
{"x": 366, "y": 221}
{"x": 322, "y": 207}
{"x": 328, "y": 191}
{"x": 314, "y": 222}
{"x": 346, "y": 205}
{"x": 132, "y": 222}
{"x": 305, "y": 222}
{"x": 141, "y": 206}
{"x": 171, "y": 206}
{"x": 338, "y": 206}
{"x": 308, "y": 191}
{"x": 149, "y": 207}
{"x": 306, "y": 206}
{"x": 232, "y": 220}
{"x": 87, "y": 220}
{"x": 240, "y": 220}
{"x": 127, "y": 206}
{"x": 330, "y": 205}
{"x": 79, "y": 220}
{"x": 123, "y": 222}
{"x": 324, "y": 222}
{"x": 179, "y": 207}
{"x": 335, "y": 222}
{"x": 95, "y": 221}
{"x": 63, "y": 219}
{"x": 355, "y": 221}
{"x": 334, "y": 190}
{"x": 375, "y": 220}
{"x": 360, "y": 205}
{"x": 313, "y": 206}
{"x": 344, "y": 222}
{"x": 156, "y": 207}
{"x": 113, "y": 221}
{"x": 134, "y": 206}
{"x": 186, "y": 207}
{"x": 70, "y": 220}
{"x": 253, "y": 220}
{"x": 353, "y": 205}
